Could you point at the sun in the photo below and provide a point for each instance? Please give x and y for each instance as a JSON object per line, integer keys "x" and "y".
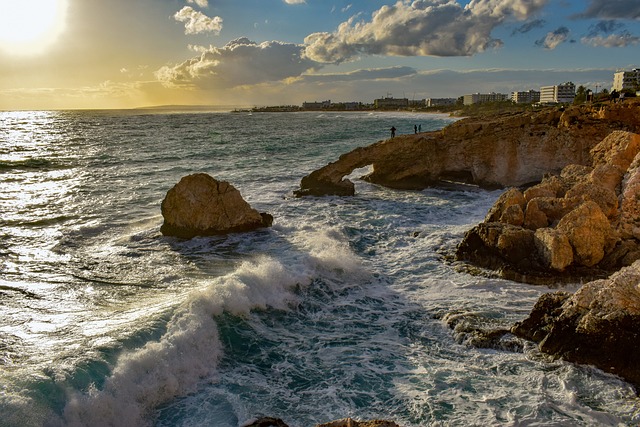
{"x": 29, "y": 27}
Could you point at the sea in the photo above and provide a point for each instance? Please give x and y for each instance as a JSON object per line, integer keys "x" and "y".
{"x": 343, "y": 308}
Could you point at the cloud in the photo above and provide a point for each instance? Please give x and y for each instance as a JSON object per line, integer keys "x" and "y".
{"x": 295, "y": 1}
{"x": 602, "y": 34}
{"x": 554, "y": 38}
{"x": 613, "y": 40}
{"x": 421, "y": 28}
{"x": 359, "y": 75}
{"x": 201, "y": 3}
{"x": 529, "y": 26}
{"x": 240, "y": 62}
{"x": 604, "y": 27}
{"x": 612, "y": 9}
{"x": 197, "y": 22}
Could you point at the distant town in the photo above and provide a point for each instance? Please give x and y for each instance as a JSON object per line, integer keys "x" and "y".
{"x": 625, "y": 84}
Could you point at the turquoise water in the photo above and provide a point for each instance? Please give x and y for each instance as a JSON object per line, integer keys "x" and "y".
{"x": 337, "y": 310}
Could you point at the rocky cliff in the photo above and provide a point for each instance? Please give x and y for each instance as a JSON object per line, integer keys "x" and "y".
{"x": 581, "y": 223}
{"x": 498, "y": 151}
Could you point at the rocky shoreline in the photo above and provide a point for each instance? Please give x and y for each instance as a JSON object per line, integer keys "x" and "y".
{"x": 571, "y": 214}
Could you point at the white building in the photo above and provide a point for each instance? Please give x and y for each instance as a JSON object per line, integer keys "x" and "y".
{"x": 558, "y": 94}
{"x": 440, "y": 102}
{"x": 528, "y": 97}
{"x": 391, "y": 102}
{"x": 316, "y": 105}
{"x": 626, "y": 80}
{"x": 479, "y": 98}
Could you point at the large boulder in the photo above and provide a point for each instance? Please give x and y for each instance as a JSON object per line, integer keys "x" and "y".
{"x": 598, "y": 325}
{"x": 199, "y": 205}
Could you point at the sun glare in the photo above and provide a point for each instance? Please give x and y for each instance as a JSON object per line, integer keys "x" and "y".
{"x": 28, "y": 27}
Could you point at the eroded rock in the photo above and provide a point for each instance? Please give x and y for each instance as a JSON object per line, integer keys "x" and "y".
{"x": 199, "y": 205}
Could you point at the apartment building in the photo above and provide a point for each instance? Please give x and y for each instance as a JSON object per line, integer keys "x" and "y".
{"x": 479, "y": 98}
{"x": 528, "y": 97}
{"x": 626, "y": 80}
{"x": 558, "y": 94}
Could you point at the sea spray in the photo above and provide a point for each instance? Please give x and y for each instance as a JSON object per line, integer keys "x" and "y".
{"x": 190, "y": 349}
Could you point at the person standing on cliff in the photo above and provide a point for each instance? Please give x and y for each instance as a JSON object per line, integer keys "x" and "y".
{"x": 393, "y": 131}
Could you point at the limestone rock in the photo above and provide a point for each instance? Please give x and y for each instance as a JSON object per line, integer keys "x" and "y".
{"x": 618, "y": 149}
{"x": 554, "y": 248}
{"x": 574, "y": 174}
{"x": 199, "y": 205}
{"x": 491, "y": 152}
{"x": 512, "y": 215}
{"x": 550, "y": 187}
{"x": 589, "y": 233}
{"x": 608, "y": 176}
{"x": 511, "y": 197}
{"x": 604, "y": 197}
{"x": 598, "y": 325}
{"x": 629, "y": 224}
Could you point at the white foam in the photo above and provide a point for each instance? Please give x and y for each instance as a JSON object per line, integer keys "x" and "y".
{"x": 190, "y": 349}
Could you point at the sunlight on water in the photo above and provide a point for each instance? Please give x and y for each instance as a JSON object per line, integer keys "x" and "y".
{"x": 337, "y": 310}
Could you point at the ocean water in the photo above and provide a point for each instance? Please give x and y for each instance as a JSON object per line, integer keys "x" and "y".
{"x": 339, "y": 310}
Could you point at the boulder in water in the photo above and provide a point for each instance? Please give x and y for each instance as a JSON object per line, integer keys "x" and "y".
{"x": 199, "y": 205}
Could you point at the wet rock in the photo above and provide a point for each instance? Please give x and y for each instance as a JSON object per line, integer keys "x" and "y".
{"x": 266, "y": 422}
{"x": 199, "y": 205}
{"x": 349, "y": 422}
{"x": 598, "y": 325}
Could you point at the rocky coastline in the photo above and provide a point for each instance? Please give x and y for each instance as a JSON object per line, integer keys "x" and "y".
{"x": 570, "y": 214}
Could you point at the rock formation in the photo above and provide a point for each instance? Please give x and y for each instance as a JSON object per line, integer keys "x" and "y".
{"x": 199, "y": 205}
{"x": 505, "y": 150}
{"x": 583, "y": 222}
{"x": 598, "y": 325}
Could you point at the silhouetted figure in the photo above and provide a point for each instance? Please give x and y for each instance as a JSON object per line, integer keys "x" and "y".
{"x": 415, "y": 128}
{"x": 393, "y": 131}
{"x": 419, "y": 128}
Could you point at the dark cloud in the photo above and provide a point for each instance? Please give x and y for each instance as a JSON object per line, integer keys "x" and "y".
{"x": 529, "y": 26}
{"x": 604, "y": 27}
{"x": 421, "y": 28}
{"x": 609, "y": 33}
{"x": 554, "y": 38}
{"x": 612, "y": 9}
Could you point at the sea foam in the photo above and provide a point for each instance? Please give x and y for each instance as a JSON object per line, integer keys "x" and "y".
{"x": 190, "y": 350}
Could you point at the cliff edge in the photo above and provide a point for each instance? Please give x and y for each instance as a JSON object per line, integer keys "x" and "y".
{"x": 511, "y": 149}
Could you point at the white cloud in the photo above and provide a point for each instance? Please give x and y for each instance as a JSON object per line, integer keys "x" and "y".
{"x": 197, "y": 22}
{"x": 201, "y": 3}
{"x": 240, "y": 62}
{"x": 295, "y": 1}
{"x": 554, "y": 38}
{"x": 421, "y": 28}
{"x": 612, "y": 40}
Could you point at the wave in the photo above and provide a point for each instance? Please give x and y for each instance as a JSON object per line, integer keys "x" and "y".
{"x": 33, "y": 163}
{"x": 191, "y": 348}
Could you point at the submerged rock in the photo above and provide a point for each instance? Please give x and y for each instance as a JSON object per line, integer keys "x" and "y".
{"x": 598, "y": 325}
{"x": 199, "y": 205}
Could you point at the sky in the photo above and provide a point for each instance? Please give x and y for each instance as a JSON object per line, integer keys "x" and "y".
{"x": 85, "y": 54}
